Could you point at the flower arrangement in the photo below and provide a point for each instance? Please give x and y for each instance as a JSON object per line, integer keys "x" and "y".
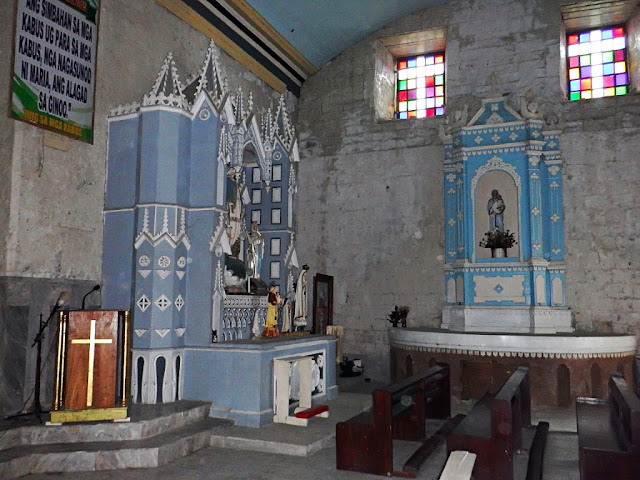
{"x": 498, "y": 239}
{"x": 399, "y": 314}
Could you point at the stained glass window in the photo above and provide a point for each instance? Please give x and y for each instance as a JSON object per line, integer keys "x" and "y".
{"x": 597, "y": 63}
{"x": 420, "y": 86}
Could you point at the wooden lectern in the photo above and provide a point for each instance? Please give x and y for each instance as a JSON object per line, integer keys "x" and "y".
{"x": 92, "y": 366}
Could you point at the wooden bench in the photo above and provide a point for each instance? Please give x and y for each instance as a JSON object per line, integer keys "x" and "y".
{"x": 609, "y": 433}
{"x": 364, "y": 443}
{"x": 493, "y": 428}
{"x": 535, "y": 464}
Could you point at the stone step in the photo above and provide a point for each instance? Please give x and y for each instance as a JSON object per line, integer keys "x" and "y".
{"x": 109, "y": 455}
{"x": 146, "y": 422}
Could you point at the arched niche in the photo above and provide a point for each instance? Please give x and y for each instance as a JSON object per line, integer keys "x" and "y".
{"x": 140, "y": 375}
{"x": 563, "y": 386}
{"x": 596, "y": 381}
{"x": 504, "y": 183}
{"x": 238, "y": 197}
{"x": 177, "y": 394}
{"x": 408, "y": 366}
{"x": 451, "y": 291}
{"x": 161, "y": 365}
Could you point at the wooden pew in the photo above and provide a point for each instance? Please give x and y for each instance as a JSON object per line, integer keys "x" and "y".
{"x": 364, "y": 443}
{"x": 609, "y": 433}
{"x": 493, "y": 428}
{"x": 535, "y": 464}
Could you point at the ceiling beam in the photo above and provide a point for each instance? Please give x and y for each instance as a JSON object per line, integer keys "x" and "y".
{"x": 243, "y": 34}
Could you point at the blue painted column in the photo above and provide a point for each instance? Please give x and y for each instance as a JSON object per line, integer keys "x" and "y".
{"x": 450, "y": 206}
{"x": 119, "y": 218}
{"x": 533, "y": 157}
{"x": 553, "y": 164}
{"x": 161, "y": 245}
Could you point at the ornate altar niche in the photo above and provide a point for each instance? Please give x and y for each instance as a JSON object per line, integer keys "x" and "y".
{"x": 504, "y": 235}
{"x": 505, "y": 269}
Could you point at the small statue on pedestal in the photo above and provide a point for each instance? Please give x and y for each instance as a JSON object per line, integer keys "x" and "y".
{"x": 300, "y": 311}
{"x": 271, "y": 324}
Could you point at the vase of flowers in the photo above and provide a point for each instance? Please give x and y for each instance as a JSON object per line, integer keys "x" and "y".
{"x": 399, "y": 315}
{"x": 499, "y": 242}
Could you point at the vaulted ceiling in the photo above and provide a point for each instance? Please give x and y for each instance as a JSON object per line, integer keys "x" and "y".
{"x": 285, "y": 41}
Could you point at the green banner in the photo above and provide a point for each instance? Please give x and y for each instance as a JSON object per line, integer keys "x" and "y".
{"x": 54, "y": 65}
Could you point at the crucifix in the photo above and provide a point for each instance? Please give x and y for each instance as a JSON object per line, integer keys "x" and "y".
{"x": 92, "y": 341}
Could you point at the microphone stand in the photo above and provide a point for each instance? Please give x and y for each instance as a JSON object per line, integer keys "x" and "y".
{"x": 37, "y": 408}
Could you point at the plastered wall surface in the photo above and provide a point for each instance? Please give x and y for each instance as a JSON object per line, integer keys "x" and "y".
{"x": 370, "y": 204}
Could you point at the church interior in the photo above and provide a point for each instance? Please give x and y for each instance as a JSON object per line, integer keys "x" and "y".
{"x": 272, "y": 225}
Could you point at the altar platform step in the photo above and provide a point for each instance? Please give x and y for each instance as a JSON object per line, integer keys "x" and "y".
{"x": 283, "y": 439}
{"x": 155, "y": 436}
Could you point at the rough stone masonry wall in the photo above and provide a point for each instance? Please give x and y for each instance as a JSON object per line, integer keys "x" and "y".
{"x": 370, "y": 208}
{"x": 52, "y": 188}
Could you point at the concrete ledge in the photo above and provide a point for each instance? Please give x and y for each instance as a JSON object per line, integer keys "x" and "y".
{"x": 535, "y": 319}
{"x": 556, "y": 345}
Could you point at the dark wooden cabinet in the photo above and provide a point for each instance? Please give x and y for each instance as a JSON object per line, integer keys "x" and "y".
{"x": 322, "y": 302}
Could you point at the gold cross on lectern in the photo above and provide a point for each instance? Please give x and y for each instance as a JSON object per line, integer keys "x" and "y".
{"x": 91, "y": 341}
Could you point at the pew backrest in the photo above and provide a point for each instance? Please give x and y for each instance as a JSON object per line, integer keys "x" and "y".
{"x": 432, "y": 386}
{"x": 511, "y": 408}
{"x": 624, "y": 409}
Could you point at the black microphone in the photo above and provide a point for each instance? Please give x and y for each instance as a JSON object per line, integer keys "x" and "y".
{"x": 94, "y": 289}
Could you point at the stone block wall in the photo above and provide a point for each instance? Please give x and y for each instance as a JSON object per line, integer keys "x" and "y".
{"x": 370, "y": 208}
{"x": 24, "y": 302}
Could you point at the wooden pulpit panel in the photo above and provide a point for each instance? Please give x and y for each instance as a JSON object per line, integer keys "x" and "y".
{"x": 92, "y": 363}
{"x": 92, "y": 346}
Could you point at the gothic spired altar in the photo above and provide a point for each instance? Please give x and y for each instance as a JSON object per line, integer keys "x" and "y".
{"x": 198, "y": 218}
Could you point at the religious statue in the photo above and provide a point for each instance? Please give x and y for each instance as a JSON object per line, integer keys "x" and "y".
{"x": 497, "y": 239}
{"x": 273, "y": 302}
{"x": 300, "y": 310}
{"x": 495, "y": 209}
{"x": 235, "y": 213}
{"x": 255, "y": 251}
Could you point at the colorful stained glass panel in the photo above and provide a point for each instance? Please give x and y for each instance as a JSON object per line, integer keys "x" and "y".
{"x": 420, "y": 86}
{"x": 597, "y": 63}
